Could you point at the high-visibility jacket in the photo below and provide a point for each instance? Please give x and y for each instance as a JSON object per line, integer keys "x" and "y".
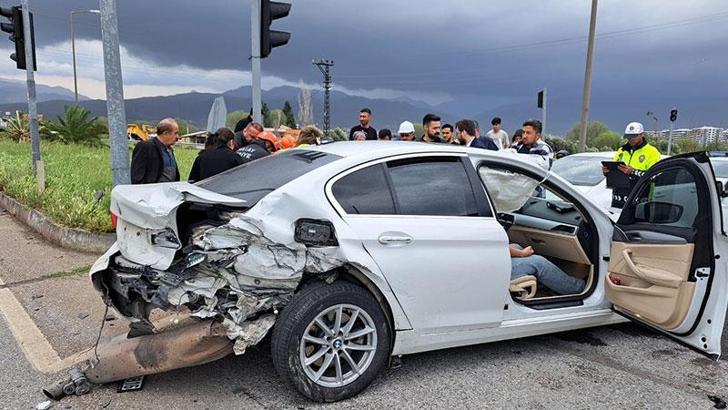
{"x": 641, "y": 157}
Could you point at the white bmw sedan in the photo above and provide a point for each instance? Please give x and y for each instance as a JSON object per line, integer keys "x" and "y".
{"x": 355, "y": 252}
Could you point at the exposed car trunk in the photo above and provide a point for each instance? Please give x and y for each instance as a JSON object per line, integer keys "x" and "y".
{"x": 182, "y": 247}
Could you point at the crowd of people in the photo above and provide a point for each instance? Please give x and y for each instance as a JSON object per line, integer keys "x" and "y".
{"x": 153, "y": 161}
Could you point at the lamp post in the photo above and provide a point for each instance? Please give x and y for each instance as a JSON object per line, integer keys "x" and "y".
{"x": 73, "y": 47}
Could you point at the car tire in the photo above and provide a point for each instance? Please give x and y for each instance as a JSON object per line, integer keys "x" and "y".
{"x": 315, "y": 307}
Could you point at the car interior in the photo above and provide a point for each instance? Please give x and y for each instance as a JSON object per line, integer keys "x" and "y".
{"x": 535, "y": 213}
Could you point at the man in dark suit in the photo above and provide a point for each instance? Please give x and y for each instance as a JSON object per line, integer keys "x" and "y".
{"x": 153, "y": 160}
{"x": 466, "y": 136}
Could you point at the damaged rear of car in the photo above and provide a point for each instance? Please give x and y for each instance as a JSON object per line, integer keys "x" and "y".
{"x": 230, "y": 251}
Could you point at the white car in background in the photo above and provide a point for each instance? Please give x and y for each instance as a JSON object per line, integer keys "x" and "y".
{"x": 584, "y": 171}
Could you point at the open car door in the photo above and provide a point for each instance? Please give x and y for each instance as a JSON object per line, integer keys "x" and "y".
{"x": 668, "y": 266}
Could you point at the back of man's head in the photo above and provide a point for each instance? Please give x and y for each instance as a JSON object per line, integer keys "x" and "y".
{"x": 466, "y": 125}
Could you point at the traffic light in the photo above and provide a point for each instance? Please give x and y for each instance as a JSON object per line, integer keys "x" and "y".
{"x": 539, "y": 100}
{"x": 17, "y": 36}
{"x": 673, "y": 115}
{"x": 269, "y": 39}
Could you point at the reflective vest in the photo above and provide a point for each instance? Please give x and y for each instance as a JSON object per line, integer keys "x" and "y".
{"x": 641, "y": 158}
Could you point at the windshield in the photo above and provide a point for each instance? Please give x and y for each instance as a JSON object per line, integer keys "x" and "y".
{"x": 256, "y": 179}
{"x": 580, "y": 170}
{"x": 720, "y": 168}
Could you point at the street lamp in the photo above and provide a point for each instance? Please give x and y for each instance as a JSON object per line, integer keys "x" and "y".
{"x": 73, "y": 47}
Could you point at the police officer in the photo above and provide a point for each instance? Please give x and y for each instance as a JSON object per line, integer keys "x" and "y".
{"x": 638, "y": 156}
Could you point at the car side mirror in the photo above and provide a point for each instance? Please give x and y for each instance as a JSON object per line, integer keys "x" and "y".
{"x": 658, "y": 212}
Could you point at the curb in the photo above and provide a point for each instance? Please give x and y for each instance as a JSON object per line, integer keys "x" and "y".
{"x": 71, "y": 238}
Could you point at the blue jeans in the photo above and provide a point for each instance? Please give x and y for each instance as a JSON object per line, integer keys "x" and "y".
{"x": 547, "y": 274}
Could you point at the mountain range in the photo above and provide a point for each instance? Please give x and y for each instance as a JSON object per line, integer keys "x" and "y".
{"x": 563, "y": 108}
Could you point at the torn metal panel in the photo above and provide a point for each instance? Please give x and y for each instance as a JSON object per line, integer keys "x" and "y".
{"x": 248, "y": 333}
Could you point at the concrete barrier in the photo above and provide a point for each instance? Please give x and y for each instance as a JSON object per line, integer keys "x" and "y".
{"x": 71, "y": 238}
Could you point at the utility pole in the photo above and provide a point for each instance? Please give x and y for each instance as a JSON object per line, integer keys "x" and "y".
{"x": 255, "y": 59}
{"x": 38, "y": 169}
{"x": 587, "y": 77}
{"x": 325, "y": 67}
{"x": 73, "y": 47}
{"x": 114, "y": 93}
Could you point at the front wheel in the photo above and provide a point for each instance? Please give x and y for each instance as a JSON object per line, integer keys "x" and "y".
{"x": 331, "y": 341}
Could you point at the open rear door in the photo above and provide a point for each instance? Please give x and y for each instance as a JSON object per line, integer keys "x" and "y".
{"x": 668, "y": 266}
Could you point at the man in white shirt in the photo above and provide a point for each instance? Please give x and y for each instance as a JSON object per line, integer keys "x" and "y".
{"x": 498, "y": 136}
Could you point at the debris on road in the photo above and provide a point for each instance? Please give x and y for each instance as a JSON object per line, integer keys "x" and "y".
{"x": 718, "y": 402}
{"x": 44, "y": 405}
{"x": 82, "y": 315}
{"x": 131, "y": 384}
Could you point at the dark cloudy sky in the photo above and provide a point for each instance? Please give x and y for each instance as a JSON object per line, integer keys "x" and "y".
{"x": 470, "y": 54}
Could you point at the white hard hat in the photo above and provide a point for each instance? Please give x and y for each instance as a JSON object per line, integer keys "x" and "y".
{"x": 406, "y": 127}
{"x": 634, "y": 128}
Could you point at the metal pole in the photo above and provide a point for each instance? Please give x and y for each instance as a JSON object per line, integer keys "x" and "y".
{"x": 543, "y": 114}
{"x": 669, "y": 139}
{"x": 73, "y": 51}
{"x": 114, "y": 93}
{"x": 30, "y": 79}
{"x": 255, "y": 59}
{"x": 587, "y": 77}
{"x": 325, "y": 67}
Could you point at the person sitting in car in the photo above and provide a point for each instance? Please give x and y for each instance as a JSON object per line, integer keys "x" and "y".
{"x": 525, "y": 262}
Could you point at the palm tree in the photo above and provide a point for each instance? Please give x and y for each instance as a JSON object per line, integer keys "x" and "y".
{"x": 17, "y": 129}
{"x": 77, "y": 125}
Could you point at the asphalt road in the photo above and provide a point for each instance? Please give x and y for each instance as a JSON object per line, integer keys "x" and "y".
{"x": 622, "y": 366}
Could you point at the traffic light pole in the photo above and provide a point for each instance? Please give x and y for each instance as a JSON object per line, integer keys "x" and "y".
{"x": 543, "y": 114}
{"x": 669, "y": 139}
{"x": 255, "y": 59}
{"x": 38, "y": 170}
{"x": 114, "y": 93}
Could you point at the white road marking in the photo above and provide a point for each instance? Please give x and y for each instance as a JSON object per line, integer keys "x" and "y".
{"x": 38, "y": 351}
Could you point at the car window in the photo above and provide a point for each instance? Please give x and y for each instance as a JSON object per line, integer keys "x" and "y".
{"x": 580, "y": 170}
{"x": 365, "y": 192}
{"x": 508, "y": 190}
{"x": 669, "y": 199}
{"x": 256, "y": 179}
{"x": 432, "y": 186}
{"x": 720, "y": 167}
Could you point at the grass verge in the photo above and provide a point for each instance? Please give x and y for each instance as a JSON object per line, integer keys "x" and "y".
{"x": 74, "y": 173}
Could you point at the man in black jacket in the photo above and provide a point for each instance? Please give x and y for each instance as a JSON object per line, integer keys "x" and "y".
{"x": 216, "y": 159}
{"x": 466, "y": 136}
{"x": 153, "y": 160}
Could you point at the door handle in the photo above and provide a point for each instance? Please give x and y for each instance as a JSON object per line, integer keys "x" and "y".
{"x": 652, "y": 275}
{"x": 395, "y": 239}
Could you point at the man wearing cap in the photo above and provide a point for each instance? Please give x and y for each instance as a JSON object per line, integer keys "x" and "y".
{"x": 406, "y": 131}
{"x": 638, "y": 156}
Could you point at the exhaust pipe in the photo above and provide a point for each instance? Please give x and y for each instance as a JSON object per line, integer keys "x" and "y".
{"x": 192, "y": 345}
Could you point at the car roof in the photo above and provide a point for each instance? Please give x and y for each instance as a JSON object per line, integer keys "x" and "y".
{"x": 384, "y": 148}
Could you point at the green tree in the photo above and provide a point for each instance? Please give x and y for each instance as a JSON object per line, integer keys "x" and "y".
{"x": 17, "y": 129}
{"x": 235, "y": 116}
{"x": 560, "y": 144}
{"x": 290, "y": 117}
{"x": 265, "y": 111}
{"x": 609, "y": 139}
{"x": 339, "y": 134}
{"x": 275, "y": 119}
{"x": 687, "y": 145}
{"x": 77, "y": 125}
{"x": 593, "y": 130}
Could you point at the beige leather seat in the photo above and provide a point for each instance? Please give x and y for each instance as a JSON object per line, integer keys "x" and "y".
{"x": 523, "y": 287}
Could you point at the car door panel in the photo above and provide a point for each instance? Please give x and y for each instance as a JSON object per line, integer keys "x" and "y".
{"x": 664, "y": 267}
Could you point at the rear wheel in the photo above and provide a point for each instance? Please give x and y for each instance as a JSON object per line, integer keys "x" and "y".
{"x": 331, "y": 341}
